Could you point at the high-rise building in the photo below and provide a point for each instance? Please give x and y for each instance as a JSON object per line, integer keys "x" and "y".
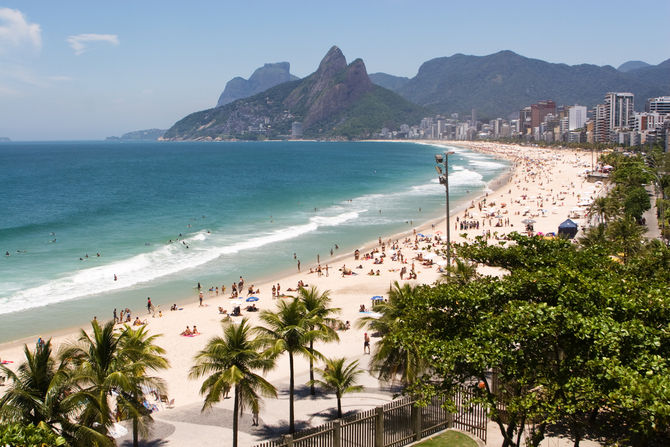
{"x": 576, "y": 117}
{"x": 659, "y": 105}
{"x": 600, "y": 124}
{"x": 524, "y": 120}
{"x": 620, "y": 108}
{"x": 540, "y": 110}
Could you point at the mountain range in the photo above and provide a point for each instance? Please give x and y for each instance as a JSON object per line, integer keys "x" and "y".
{"x": 338, "y": 100}
{"x": 260, "y": 80}
{"x": 502, "y": 83}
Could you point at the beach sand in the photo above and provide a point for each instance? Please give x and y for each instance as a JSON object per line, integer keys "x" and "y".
{"x": 550, "y": 179}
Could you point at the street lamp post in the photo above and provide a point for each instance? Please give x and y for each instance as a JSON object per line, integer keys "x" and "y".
{"x": 444, "y": 180}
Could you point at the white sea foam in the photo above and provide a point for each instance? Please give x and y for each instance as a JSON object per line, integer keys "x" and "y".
{"x": 163, "y": 261}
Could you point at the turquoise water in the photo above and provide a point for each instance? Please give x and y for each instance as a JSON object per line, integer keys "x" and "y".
{"x": 241, "y": 208}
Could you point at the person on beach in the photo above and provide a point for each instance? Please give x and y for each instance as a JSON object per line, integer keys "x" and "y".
{"x": 278, "y": 293}
{"x": 240, "y": 284}
{"x": 200, "y": 296}
{"x": 274, "y": 291}
{"x": 298, "y": 265}
{"x": 195, "y": 330}
{"x": 187, "y": 332}
{"x": 366, "y": 343}
{"x": 149, "y": 305}
{"x": 115, "y": 315}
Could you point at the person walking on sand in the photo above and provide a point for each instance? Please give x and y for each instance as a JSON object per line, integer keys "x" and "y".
{"x": 298, "y": 265}
{"x": 366, "y": 343}
{"x": 149, "y": 304}
{"x": 200, "y": 297}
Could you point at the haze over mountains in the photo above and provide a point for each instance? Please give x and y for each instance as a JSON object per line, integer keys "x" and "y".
{"x": 341, "y": 100}
{"x": 501, "y": 83}
{"x": 337, "y": 100}
{"x": 262, "y": 79}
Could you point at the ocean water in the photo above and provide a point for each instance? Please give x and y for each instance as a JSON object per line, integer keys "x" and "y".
{"x": 164, "y": 216}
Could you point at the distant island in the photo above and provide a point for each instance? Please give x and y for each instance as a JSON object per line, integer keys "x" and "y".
{"x": 139, "y": 135}
{"x": 4, "y": 140}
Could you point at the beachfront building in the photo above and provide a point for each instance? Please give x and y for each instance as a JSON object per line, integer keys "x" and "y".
{"x": 660, "y": 105}
{"x": 539, "y": 111}
{"x": 576, "y": 117}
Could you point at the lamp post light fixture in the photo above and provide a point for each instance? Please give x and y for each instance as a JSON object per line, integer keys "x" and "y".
{"x": 443, "y": 159}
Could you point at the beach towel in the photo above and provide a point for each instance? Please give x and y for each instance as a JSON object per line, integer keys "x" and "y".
{"x": 192, "y": 335}
{"x": 6, "y": 362}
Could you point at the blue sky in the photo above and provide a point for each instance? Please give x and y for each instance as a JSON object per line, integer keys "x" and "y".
{"x": 89, "y": 69}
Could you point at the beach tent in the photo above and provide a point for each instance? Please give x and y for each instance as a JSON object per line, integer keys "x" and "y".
{"x": 568, "y": 229}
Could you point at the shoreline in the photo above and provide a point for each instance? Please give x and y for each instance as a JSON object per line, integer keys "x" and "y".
{"x": 267, "y": 280}
{"x": 555, "y": 178}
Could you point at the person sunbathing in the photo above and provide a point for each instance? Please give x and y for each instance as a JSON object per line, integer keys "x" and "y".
{"x": 195, "y": 330}
{"x": 137, "y": 322}
{"x": 187, "y": 331}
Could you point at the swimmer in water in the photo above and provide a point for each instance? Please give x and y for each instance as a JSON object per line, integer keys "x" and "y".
{"x": 7, "y": 253}
{"x": 115, "y": 278}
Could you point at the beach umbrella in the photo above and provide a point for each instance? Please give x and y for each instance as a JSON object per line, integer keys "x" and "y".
{"x": 377, "y": 298}
{"x": 421, "y": 235}
{"x": 251, "y": 299}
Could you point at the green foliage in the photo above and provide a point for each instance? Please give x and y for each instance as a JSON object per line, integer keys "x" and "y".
{"x": 19, "y": 435}
{"x": 565, "y": 335}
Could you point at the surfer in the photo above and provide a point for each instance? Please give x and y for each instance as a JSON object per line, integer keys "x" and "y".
{"x": 7, "y": 253}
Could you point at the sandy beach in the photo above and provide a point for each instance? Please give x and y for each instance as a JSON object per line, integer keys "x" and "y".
{"x": 545, "y": 185}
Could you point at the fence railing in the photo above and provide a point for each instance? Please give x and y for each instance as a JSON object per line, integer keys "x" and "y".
{"x": 395, "y": 424}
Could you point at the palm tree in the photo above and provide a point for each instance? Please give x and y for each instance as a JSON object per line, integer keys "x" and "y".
{"x": 138, "y": 350}
{"x": 388, "y": 360}
{"x": 462, "y": 272}
{"x": 38, "y": 394}
{"x": 627, "y": 235}
{"x": 317, "y": 304}
{"x": 600, "y": 208}
{"x": 229, "y": 362}
{"x": 340, "y": 379}
{"x": 289, "y": 330}
{"x": 99, "y": 371}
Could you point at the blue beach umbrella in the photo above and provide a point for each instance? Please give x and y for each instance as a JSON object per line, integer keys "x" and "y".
{"x": 251, "y": 299}
{"x": 377, "y": 298}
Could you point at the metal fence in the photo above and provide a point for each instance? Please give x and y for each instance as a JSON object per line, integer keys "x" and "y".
{"x": 395, "y": 424}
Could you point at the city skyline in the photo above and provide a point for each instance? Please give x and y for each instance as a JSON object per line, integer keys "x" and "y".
{"x": 84, "y": 72}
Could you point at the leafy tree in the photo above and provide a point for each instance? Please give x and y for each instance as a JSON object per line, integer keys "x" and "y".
{"x": 317, "y": 304}
{"x": 565, "y": 337}
{"x": 229, "y": 362}
{"x": 142, "y": 356}
{"x": 340, "y": 379}
{"x": 636, "y": 202}
{"x": 16, "y": 434}
{"x": 289, "y": 330}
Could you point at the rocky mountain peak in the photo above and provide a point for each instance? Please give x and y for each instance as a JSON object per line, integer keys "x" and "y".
{"x": 332, "y": 63}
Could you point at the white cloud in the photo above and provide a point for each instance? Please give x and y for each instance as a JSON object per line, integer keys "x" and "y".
{"x": 15, "y": 31}
{"x": 79, "y": 42}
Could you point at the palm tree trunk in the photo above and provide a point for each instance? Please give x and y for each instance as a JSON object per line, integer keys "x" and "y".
{"x": 135, "y": 434}
{"x": 236, "y": 410}
{"x": 312, "y": 391}
{"x": 291, "y": 423}
{"x": 339, "y": 406}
